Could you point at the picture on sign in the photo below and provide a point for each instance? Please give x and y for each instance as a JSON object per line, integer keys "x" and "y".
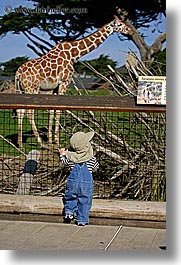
{"x": 151, "y": 90}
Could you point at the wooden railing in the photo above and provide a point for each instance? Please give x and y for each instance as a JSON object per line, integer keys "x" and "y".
{"x": 104, "y": 103}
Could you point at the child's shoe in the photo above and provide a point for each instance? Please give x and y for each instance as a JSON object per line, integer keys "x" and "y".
{"x": 82, "y": 224}
{"x": 68, "y": 218}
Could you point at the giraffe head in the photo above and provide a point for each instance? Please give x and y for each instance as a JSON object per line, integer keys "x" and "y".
{"x": 120, "y": 26}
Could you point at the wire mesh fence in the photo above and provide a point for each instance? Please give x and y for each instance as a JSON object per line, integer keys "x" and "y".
{"x": 129, "y": 146}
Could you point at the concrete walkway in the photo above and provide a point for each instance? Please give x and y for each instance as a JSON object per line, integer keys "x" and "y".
{"x": 25, "y": 235}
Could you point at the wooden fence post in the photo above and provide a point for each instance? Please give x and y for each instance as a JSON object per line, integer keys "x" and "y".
{"x": 28, "y": 172}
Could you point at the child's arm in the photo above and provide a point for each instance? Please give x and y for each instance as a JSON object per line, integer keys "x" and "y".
{"x": 95, "y": 165}
{"x": 63, "y": 157}
{"x": 62, "y": 151}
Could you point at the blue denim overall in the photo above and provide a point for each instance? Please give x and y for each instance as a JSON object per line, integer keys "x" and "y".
{"x": 78, "y": 193}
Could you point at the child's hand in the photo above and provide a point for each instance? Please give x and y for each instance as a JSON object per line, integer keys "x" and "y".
{"x": 62, "y": 151}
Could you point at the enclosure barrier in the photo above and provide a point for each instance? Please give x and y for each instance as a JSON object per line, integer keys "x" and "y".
{"x": 129, "y": 143}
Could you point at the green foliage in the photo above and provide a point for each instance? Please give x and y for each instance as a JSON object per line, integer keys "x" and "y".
{"x": 70, "y": 19}
{"x": 79, "y": 17}
{"x": 9, "y": 68}
{"x": 100, "y": 64}
{"x": 159, "y": 64}
{"x": 18, "y": 22}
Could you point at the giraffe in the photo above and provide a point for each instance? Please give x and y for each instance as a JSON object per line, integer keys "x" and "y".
{"x": 55, "y": 69}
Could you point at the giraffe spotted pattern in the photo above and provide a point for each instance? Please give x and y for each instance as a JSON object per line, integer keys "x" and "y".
{"x": 55, "y": 69}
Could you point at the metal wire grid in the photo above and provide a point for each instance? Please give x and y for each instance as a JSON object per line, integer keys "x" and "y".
{"x": 130, "y": 148}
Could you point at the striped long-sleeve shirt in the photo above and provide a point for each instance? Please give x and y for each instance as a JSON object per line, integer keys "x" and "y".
{"x": 92, "y": 164}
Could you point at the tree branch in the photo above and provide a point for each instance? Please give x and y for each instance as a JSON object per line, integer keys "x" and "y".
{"x": 42, "y": 40}
{"x": 40, "y": 46}
{"x": 157, "y": 45}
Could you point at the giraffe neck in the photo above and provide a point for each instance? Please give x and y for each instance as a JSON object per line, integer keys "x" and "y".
{"x": 91, "y": 42}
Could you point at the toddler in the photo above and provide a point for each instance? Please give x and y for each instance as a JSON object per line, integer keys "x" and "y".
{"x": 79, "y": 187}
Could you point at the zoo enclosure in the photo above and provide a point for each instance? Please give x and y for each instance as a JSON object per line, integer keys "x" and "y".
{"x": 129, "y": 142}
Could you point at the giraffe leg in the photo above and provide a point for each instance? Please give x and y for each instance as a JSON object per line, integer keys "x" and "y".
{"x": 20, "y": 114}
{"x": 57, "y": 126}
{"x": 61, "y": 91}
{"x": 57, "y": 119}
{"x": 30, "y": 116}
{"x": 51, "y": 117}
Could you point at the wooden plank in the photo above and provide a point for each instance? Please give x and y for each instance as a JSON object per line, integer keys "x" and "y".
{"x": 110, "y": 209}
{"x": 69, "y": 102}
